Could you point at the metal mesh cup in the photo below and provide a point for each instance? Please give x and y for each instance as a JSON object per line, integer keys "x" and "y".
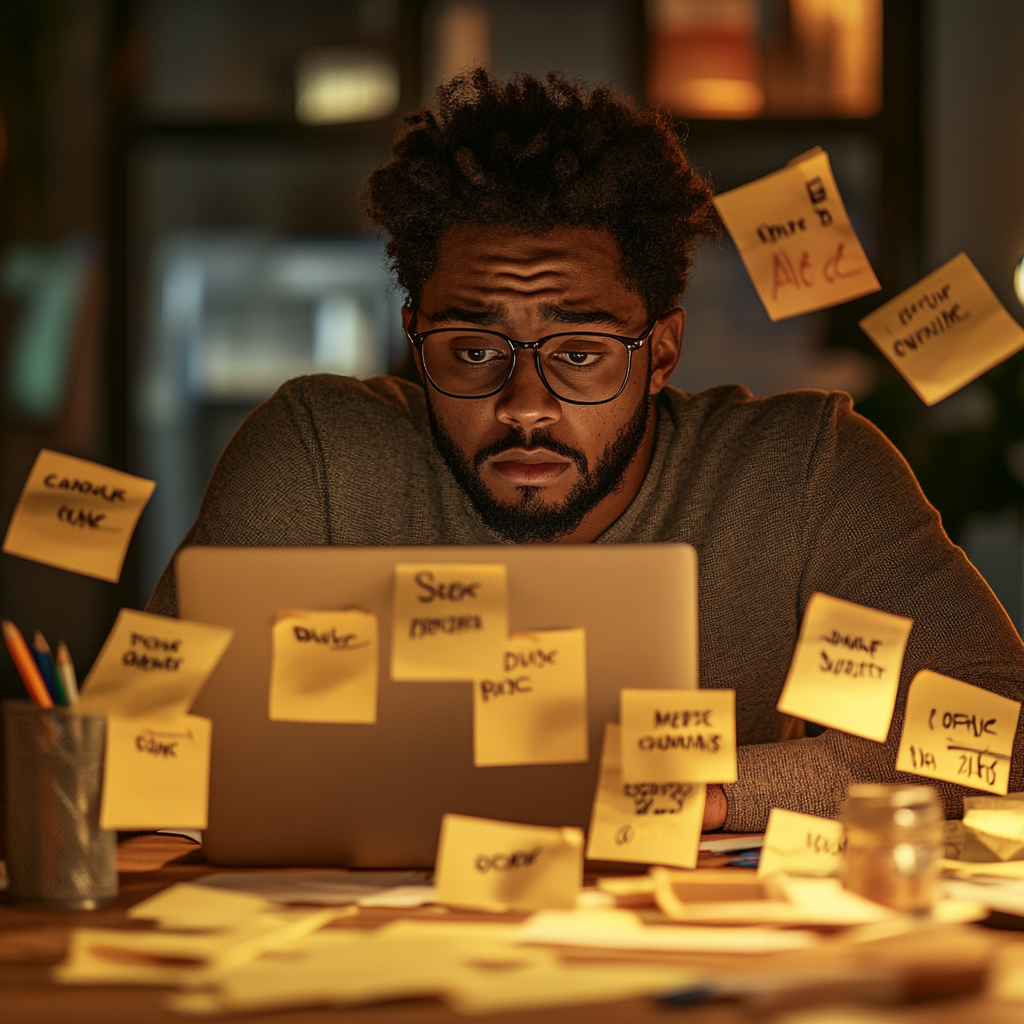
{"x": 57, "y": 855}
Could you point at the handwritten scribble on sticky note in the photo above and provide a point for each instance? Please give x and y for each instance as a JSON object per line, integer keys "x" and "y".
{"x": 796, "y": 240}
{"x": 151, "y": 665}
{"x": 450, "y": 621}
{"x": 846, "y": 668}
{"x": 801, "y": 844}
{"x": 644, "y": 822}
{"x": 534, "y": 711}
{"x": 324, "y": 667}
{"x": 497, "y": 865}
{"x": 678, "y": 735}
{"x": 958, "y": 733}
{"x": 77, "y": 515}
{"x": 156, "y": 773}
{"x": 945, "y": 331}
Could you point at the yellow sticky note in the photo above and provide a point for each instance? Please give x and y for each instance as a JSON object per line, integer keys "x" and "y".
{"x": 496, "y": 865}
{"x": 534, "y": 711}
{"x": 77, "y": 515}
{"x": 324, "y": 667}
{"x": 185, "y": 905}
{"x": 958, "y": 733}
{"x": 156, "y": 773}
{"x": 801, "y": 844}
{"x": 152, "y": 665}
{"x": 678, "y": 735}
{"x": 450, "y": 622}
{"x": 944, "y": 331}
{"x": 796, "y": 240}
{"x": 846, "y": 668}
{"x": 643, "y": 822}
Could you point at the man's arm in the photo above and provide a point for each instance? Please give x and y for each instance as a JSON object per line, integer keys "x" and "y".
{"x": 871, "y": 537}
{"x": 267, "y": 490}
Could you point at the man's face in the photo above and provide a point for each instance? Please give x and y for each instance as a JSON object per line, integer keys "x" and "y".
{"x": 538, "y": 468}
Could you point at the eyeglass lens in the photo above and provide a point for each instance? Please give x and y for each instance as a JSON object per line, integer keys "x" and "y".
{"x": 577, "y": 368}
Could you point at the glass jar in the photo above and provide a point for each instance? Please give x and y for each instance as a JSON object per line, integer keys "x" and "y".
{"x": 894, "y": 845}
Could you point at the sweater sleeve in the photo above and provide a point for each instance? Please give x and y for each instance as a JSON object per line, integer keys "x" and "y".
{"x": 872, "y": 537}
{"x": 268, "y": 489}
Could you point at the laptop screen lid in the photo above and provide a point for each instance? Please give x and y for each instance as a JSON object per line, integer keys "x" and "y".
{"x": 372, "y": 796}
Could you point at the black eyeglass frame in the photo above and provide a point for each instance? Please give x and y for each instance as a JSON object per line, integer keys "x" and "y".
{"x": 631, "y": 345}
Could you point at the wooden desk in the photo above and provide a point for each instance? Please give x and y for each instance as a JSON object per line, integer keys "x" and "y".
{"x": 31, "y": 942}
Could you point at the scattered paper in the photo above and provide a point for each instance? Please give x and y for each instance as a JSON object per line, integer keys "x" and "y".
{"x": 534, "y": 711}
{"x": 796, "y": 240}
{"x": 731, "y": 844}
{"x": 643, "y": 823}
{"x": 156, "y": 773}
{"x": 331, "y": 888}
{"x": 152, "y": 666}
{"x": 801, "y": 844}
{"x": 997, "y": 824}
{"x": 450, "y": 621}
{"x": 944, "y": 331}
{"x": 200, "y": 906}
{"x": 958, "y": 733}
{"x": 496, "y": 865}
{"x": 846, "y": 669}
{"x": 77, "y": 515}
{"x": 987, "y": 869}
{"x": 678, "y": 735}
{"x": 324, "y": 667}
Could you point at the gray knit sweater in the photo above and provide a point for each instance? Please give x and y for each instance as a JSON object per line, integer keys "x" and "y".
{"x": 781, "y": 496}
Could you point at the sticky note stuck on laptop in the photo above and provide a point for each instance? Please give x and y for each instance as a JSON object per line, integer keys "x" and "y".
{"x": 801, "y": 844}
{"x": 497, "y": 865}
{"x": 678, "y": 735}
{"x": 846, "y": 668}
{"x": 156, "y": 773}
{"x": 324, "y": 667}
{"x": 643, "y": 822}
{"x": 796, "y": 239}
{"x": 450, "y": 622}
{"x": 77, "y": 515}
{"x": 945, "y": 331}
{"x": 958, "y": 733}
{"x": 151, "y": 665}
{"x": 534, "y": 711}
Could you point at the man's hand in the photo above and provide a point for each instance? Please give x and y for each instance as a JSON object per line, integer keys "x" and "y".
{"x": 715, "y": 808}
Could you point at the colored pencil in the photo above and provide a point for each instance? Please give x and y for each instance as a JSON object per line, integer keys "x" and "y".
{"x": 67, "y": 673}
{"x": 26, "y": 666}
{"x": 43, "y": 658}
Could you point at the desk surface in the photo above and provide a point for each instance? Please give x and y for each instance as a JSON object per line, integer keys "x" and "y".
{"x": 31, "y": 942}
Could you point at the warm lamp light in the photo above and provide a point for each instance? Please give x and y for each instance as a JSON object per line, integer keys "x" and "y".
{"x": 1018, "y": 281}
{"x": 338, "y": 86}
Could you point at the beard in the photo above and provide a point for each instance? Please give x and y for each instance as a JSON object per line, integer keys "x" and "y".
{"x": 529, "y": 518}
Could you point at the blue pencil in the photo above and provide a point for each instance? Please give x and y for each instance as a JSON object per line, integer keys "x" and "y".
{"x": 44, "y": 661}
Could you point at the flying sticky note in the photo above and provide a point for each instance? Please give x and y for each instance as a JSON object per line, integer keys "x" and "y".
{"x": 450, "y": 622}
{"x": 534, "y": 711}
{"x": 77, "y": 515}
{"x": 324, "y": 667}
{"x": 795, "y": 238}
{"x": 152, "y": 665}
{"x": 156, "y": 773}
{"x": 801, "y": 844}
{"x": 846, "y": 668}
{"x": 945, "y": 331}
{"x": 495, "y": 865}
{"x": 958, "y": 733}
{"x": 643, "y": 822}
{"x": 678, "y": 735}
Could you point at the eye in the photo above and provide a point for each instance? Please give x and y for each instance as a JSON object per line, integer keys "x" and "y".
{"x": 577, "y": 358}
{"x": 476, "y": 356}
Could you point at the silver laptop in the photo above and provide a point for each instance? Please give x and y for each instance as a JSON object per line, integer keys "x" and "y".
{"x": 372, "y": 796}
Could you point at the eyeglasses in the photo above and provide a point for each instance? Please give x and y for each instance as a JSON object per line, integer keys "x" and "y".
{"x": 581, "y": 367}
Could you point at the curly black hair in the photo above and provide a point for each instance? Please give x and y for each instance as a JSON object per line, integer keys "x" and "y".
{"x": 536, "y": 155}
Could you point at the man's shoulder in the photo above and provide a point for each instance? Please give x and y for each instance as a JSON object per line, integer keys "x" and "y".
{"x": 327, "y": 394}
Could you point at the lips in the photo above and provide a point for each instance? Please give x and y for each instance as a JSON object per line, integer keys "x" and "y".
{"x": 530, "y": 468}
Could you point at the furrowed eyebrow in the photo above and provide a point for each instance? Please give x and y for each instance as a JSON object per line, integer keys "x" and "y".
{"x": 479, "y": 317}
{"x": 579, "y": 317}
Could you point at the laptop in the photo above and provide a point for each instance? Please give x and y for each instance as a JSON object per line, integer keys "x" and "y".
{"x": 372, "y": 796}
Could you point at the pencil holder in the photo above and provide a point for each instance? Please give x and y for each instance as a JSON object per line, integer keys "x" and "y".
{"x": 58, "y": 857}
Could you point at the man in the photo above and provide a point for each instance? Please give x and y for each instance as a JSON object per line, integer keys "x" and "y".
{"x": 543, "y": 237}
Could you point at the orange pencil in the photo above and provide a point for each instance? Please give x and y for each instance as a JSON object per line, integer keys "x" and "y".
{"x": 26, "y": 665}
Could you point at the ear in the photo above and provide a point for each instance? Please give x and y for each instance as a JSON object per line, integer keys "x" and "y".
{"x": 666, "y": 344}
{"x": 407, "y": 328}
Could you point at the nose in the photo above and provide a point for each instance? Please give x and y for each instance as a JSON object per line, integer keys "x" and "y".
{"x": 525, "y": 402}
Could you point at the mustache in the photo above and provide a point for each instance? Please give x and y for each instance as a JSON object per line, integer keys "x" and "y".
{"x": 516, "y": 438}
